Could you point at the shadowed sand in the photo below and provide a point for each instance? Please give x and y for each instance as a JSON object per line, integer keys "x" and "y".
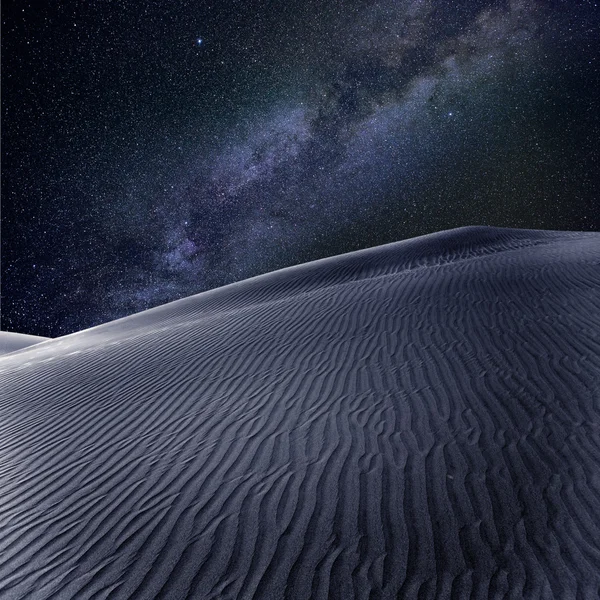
{"x": 11, "y": 342}
{"x": 418, "y": 420}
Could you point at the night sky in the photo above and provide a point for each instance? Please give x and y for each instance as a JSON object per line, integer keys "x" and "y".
{"x": 152, "y": 150}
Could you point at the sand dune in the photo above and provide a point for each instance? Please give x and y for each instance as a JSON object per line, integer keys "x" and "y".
{"x": 11, "y": 342}
{"x": 419, "y": 420}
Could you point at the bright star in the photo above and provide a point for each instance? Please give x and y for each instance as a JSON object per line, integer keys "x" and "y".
{"x": 199, "y": 41}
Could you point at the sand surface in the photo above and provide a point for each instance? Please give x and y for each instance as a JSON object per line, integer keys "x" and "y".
{"x": 11, "y": 342}
{"x": 419, "y": 420}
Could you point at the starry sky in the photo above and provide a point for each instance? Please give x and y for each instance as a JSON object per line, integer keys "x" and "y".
{"x": 153, "y": 150}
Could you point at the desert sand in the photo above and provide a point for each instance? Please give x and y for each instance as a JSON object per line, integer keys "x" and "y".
{"x": 10, "y": 342}
{"x": 419, "y": 420}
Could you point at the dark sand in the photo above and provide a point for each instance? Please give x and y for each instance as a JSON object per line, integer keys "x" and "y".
{"x": 419, "y": 420}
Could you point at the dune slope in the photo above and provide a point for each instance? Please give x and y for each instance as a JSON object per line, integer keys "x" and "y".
{"x": 418, "y": 420}
{"x": 11, "y": 342}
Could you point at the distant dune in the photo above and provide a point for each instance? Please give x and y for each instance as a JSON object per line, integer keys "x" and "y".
{"x": 11, "y": 342}
{"x": 419, "y": 420}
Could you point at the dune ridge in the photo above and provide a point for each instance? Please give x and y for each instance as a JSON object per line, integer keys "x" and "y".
{"x": 417, "y": 420}
{"x": 11, "y": 342}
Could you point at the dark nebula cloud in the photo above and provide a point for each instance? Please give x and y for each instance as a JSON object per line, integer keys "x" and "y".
{"x": 140, "y": 166}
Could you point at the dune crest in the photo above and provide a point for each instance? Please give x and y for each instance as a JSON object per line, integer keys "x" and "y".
{"x": 417, "y": 420}
{"x": 11, "y": 342}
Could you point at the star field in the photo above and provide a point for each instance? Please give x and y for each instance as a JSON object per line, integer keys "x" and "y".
{"x": 151, "y": 151}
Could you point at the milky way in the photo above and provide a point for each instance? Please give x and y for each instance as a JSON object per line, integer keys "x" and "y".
{"x": 148, "y": 166}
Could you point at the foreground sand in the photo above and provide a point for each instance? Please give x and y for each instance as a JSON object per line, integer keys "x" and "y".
{"x": 418, "y": 420}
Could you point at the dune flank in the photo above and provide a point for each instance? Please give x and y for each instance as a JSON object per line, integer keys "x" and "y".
{"x": 419, "y": 420}
{"x": 11, "y": 342}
